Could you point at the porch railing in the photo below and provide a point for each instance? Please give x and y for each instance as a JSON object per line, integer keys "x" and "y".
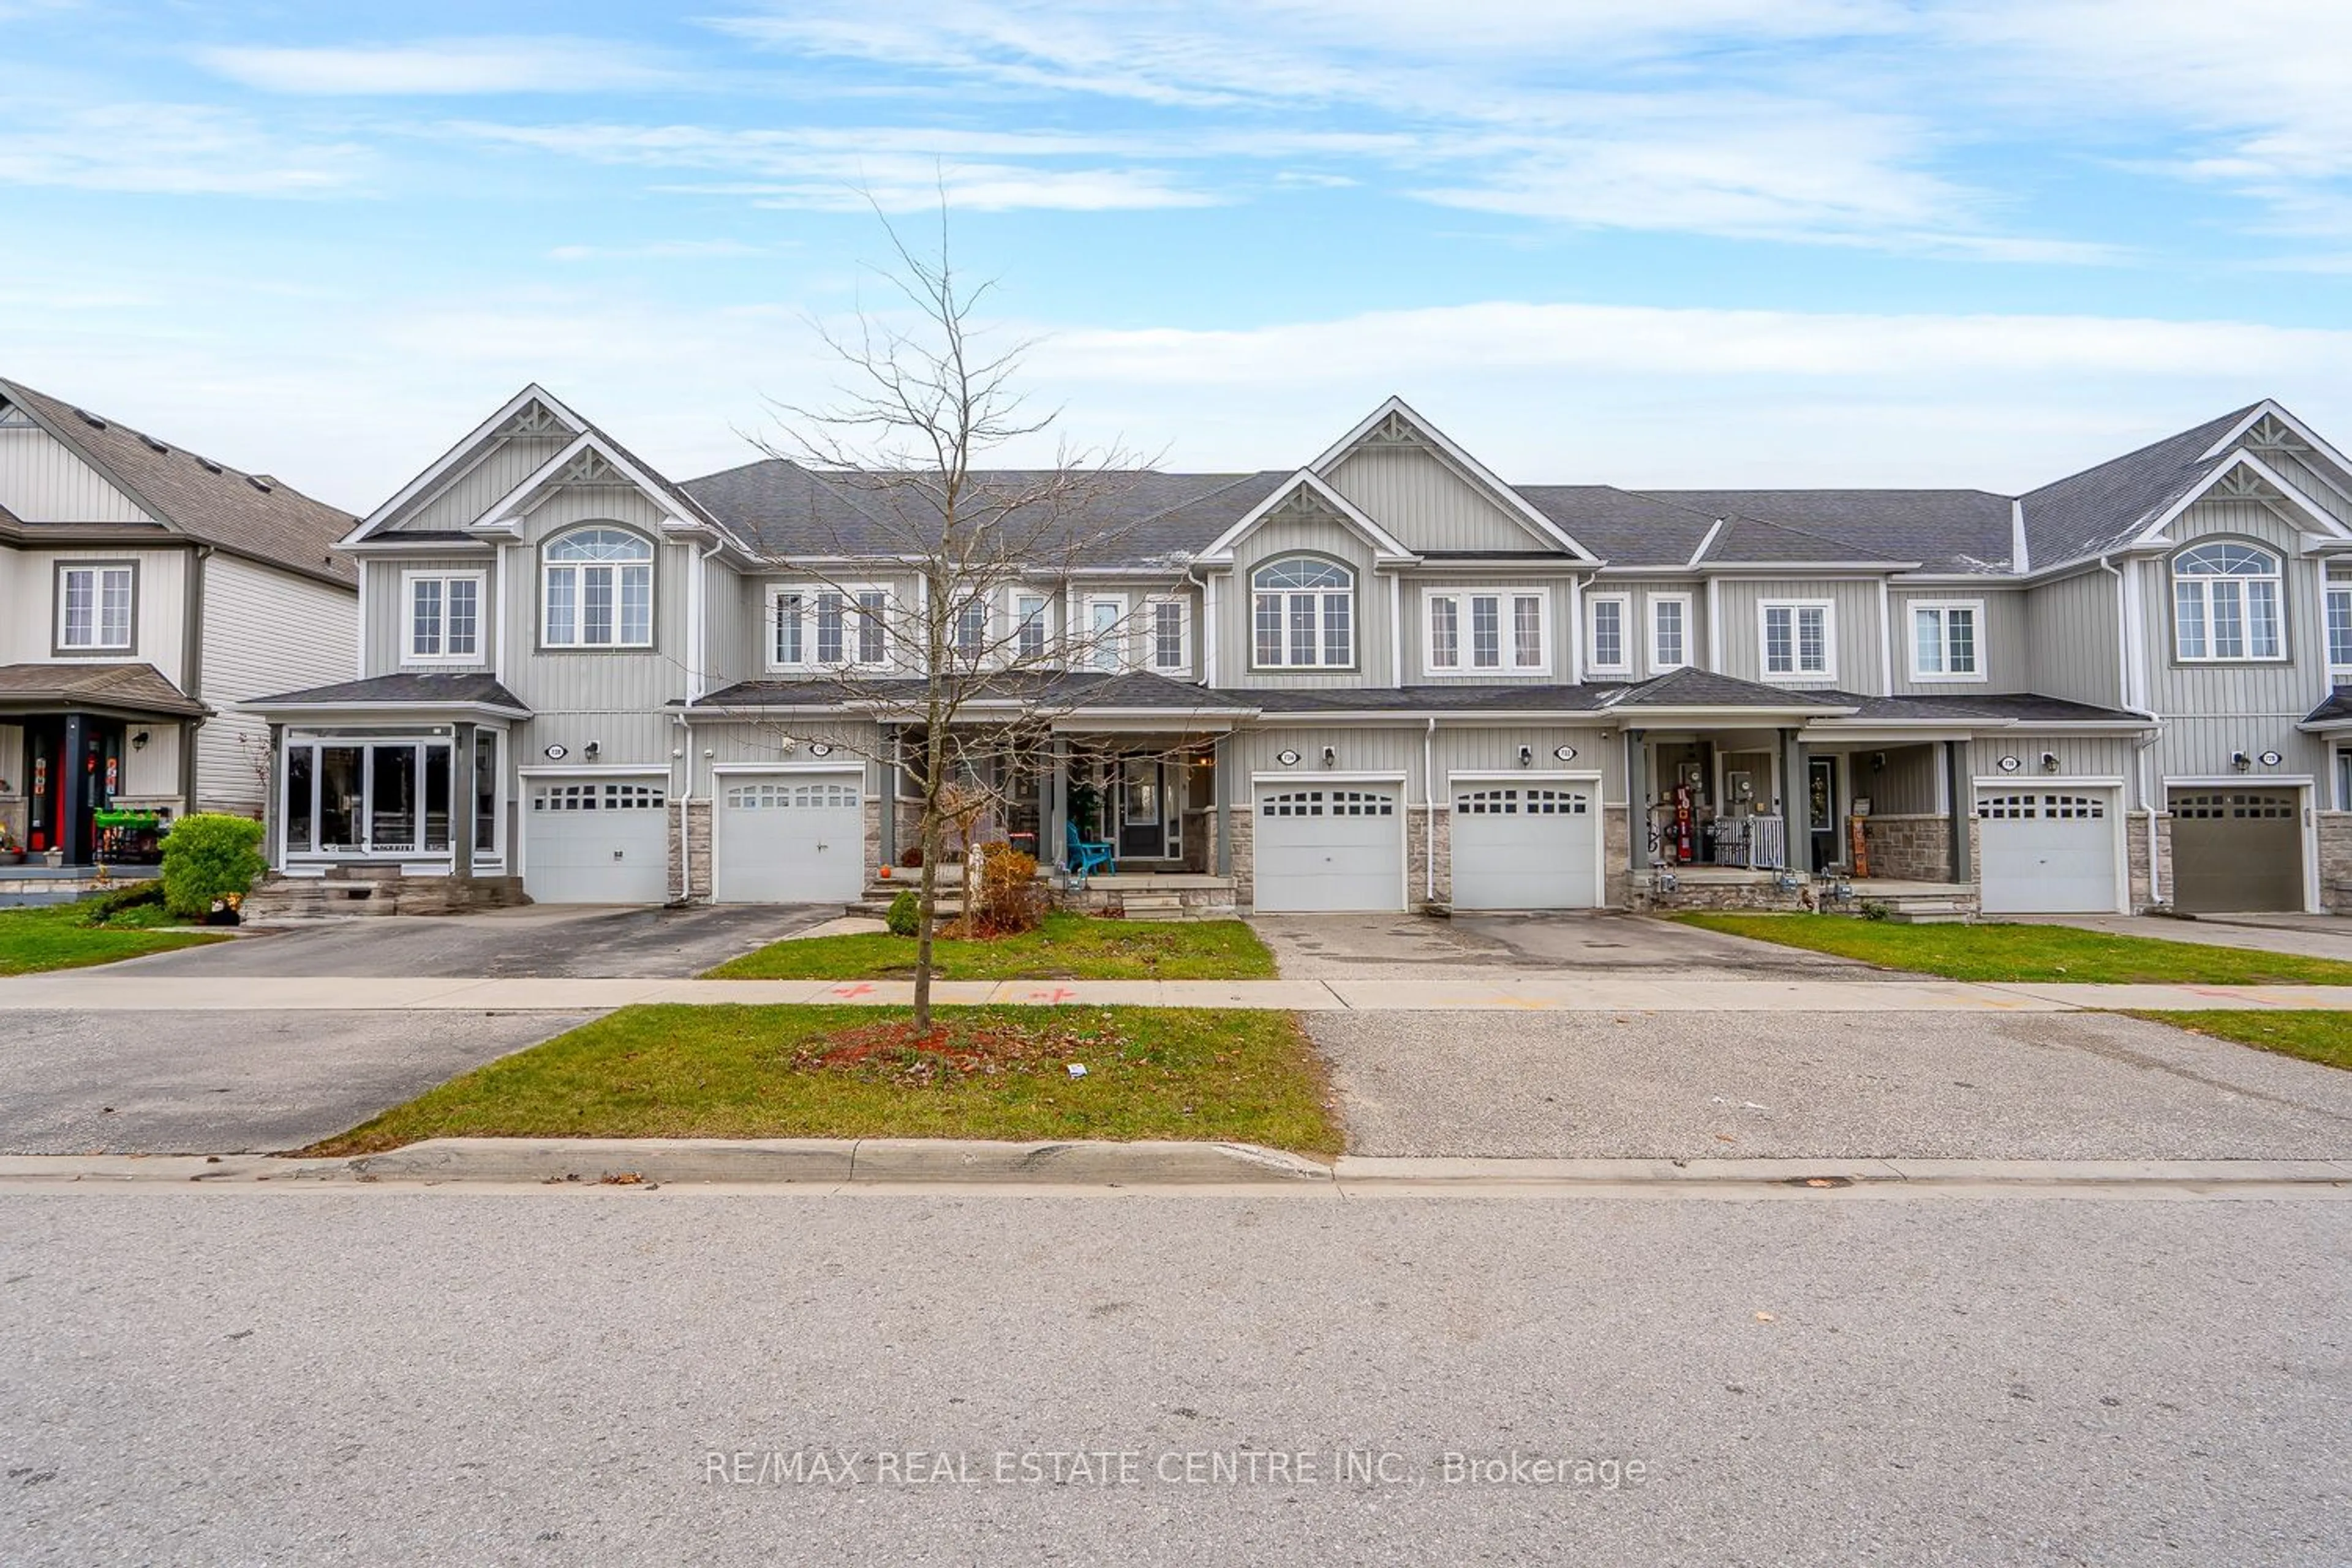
{"x": 1757, "y": 843}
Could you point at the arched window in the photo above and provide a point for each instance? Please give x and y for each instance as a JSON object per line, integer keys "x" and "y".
{"x": 1304, "y": 614}
{"x": 2225, "y": 602}
{"x": 597, "y": 589}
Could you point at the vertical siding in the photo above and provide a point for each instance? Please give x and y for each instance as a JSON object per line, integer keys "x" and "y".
{"x": 2079, "y": 756}
{"x": 1425, "y": 504}
{"x": 600, "y": 684}
{"x": 41, "y": 480}
{"x": 1361, "y": 748}
{"x": 1286, "y": 536}
{"x": 2072, "y": 635}
{"x": 1696, "y": 632}
{"x": 854, "y": 744}
{"x": 472, "y": 494}
{"x": 723, "y": 625}
{"x": 1855, "y": 633}
{"x": 2003, "y": 637}
{"x": 2307, "y": 477}
{"x": 265, "y": 632}
{"x": 1906, "y": 785}
{"x": 386, "y": 610}
{"x": 28, "y": 616}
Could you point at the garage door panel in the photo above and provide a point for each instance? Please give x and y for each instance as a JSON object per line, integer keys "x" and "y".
{"x": 2236, "y": 849}
{"x": 1523, "y": 846}
{"x": 2047, "y": 851}
{"x": 1328, "y": 848}
{"x": 787, "y": 839}
{"x": 596, "y": 841}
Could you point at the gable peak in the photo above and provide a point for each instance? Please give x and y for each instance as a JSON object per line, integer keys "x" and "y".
{"x": 590, "y": 467}
{"x": 535, "y": 419}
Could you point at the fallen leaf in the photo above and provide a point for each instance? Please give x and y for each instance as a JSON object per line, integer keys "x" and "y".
{"x": 1766, "y": 1317}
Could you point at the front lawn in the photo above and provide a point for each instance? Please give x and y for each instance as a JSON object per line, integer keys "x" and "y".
{"x": 55, "y": 936}
{"x": 855, "y": 1072}
{"x": 1066, "y": 947}
{"x": 2030, "y": 953}
{"x": 2323, "y": 1038}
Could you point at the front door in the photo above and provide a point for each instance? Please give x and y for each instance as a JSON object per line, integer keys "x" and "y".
{"x": 1142, "y": 809}
{"x": 1821, "y": 811}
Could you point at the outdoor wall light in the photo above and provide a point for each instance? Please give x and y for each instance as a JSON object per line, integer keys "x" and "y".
{"x": 1289, "y": 759}
{"x": 1527, "y": 756}
{"x": 708, "y": 753}
{"x": 2240, "y": 762}
{"x": 2049, "y": 762}
{"x": 139, "y": 741}
{"x": 593, "y": 747}
{"x": 1878, "y": 762}
{"x": 1331, "y": 755}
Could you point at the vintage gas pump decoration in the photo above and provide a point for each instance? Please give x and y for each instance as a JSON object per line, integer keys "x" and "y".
{"x": 1684, "y": 850}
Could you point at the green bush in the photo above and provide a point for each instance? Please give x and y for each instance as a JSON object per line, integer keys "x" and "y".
{"x": 110, "y": 908}
{"x": 210, "y": 856}
{"x": 906, "y": 916}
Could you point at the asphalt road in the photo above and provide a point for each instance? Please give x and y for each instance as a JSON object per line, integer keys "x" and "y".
{"x": 231, "y": 1082}
{"x": 536, "y": 940}
{"x": 570, "y": 1377}
{"x": 2067, "y": 1086}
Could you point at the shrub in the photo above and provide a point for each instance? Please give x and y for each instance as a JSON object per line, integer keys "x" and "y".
{"x": 906, "y": 916}
{"x": 120, "y": 902}
{"x": 207, "y": 856}
{"x": 1010, "y": 900}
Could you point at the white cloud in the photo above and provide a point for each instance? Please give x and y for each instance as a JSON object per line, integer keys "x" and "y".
{"x": 669, "y": 251}
{"x": 444, "y": 67}
{"x": 171, "y": 149}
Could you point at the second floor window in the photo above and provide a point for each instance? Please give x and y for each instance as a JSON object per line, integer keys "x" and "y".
{"x": 1797, "y": 641}
{"x": 1029, "y": 615}
{"x": 1944, "y": 642}
{"x": 1669, "y": 633}
{"x": 1303, "y": 615}
{"x": 2339, "y": 626}
{"x": 827, "y": 627}
{"x": 1496, "y": 631}
{"x": 2225, "y": 602}
{"x": 444, "y": 617}
{"x": 599, "y": 589}
{"x": 970, "y": 626}
{"x": 1611, "y": 649}
{"x": 94, "y": 608}
{"x": 1170, "y": 646}
{"x": 1105, "y": 631}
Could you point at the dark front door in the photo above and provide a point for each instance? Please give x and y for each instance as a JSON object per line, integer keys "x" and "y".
{"x": 1142, "y": 810}
{"x": 45, "y": 785}
{"x": 73, "y": 768}
{"x": 1821, "y": 811}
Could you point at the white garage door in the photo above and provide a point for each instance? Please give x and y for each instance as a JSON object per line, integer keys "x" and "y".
{"x": 1524, "y": 846}
{"x": 596, "y": 841}
{"x": 1330, "y": 847}
{"x": 789, "y": 838}
{"x": 2047, "y": 851}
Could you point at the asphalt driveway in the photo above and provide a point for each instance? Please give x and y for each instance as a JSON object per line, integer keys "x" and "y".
{"x": 2075, "y": 1086}
{"x": 539, "y": 941}
{"x": 1424, "y": 947}
{"x": 222, "y": 1083}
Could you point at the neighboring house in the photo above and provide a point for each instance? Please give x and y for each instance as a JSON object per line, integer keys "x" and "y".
{"x": 1382, "y": 680}
{"x": 148, "y": 591}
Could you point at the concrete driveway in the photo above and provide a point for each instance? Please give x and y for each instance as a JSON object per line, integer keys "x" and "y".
{"x": 539, "y": 941}
{"x": 1737, "y": 1085}
{"x": 221, "y": 1083}
{"x": 1410, "y": 946}
{"x": 2307, "y": 936}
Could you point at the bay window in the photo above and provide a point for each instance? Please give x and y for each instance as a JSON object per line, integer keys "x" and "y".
{"x": 2225, "y": 602}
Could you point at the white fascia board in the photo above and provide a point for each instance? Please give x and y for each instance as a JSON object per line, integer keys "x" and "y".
{"x": 2020, "y": 555}
{"x": 1896, "y": 733}
{"x": 1706, "y": 540}
{"x": 509, "y": 507}
{"x": 2271, "y": 409}
{"x": 1807, "y": 568}
{"x": 1501, "y": 493}
{"x": 361, "y": 712}
{"x": 2153, "y": 533}
{"x": 1419, "y": 718}
{"x": 1728, "y": 717}
{"x": 409, "y": 545}
{"x": 460, "y": 454}
{"x": 1387, "y": 548}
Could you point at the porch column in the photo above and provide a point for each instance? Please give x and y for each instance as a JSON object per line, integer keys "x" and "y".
{"x": 889, "y": 795}
{"x": 1963, "y": 800}
{"x": 73, "y": 791}
{"x": 1221, "y": 819}
{"x": 1057, "y": 803}
{"x": 273, "y": 805}
{"x": 1796, "y": 805}
{"x": 1637, "y": 797}
{"x": 188, "y": 764}
{"x": 461, "y": 802}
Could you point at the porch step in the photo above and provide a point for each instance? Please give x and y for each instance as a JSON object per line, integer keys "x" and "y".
{"x": 317, "y": 898}
{"x": 1151, "y": 906}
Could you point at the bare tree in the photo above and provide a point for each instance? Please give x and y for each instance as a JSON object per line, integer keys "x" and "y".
{"x": 926, "y": 394}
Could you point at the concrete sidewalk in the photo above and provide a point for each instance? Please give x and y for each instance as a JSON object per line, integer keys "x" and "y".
{"x": 104, "y": 992}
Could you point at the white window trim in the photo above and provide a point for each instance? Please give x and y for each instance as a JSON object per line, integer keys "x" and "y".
{"x": 2328, "y": 587}
{"x": 1650, "y": 626}
{"x": 1119, "y": 640}
{"x": 1910, "y": 633}
{"x": 991, "y": 620}
{"x": 2276, "y": 577}
{"x": 1827, "y": 673}
{"x": 1047, "y": 599}
{"x": 579, "y": 642}
{"x": 97, "y": 571}
{"x": 809, "y": 592}
{"x": 1354, "y": 595}
{"x": 1625, "y": 634}
{"x": 408, "y": 654}
{"x": 1507, "y": 630}
{"x": 1150, "y": 649}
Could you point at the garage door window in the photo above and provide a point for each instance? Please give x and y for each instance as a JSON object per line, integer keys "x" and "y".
{"x": 2233, "y": 806}
{"x": 596, "y": 797}
{"x": 2041, "y": 808}
{"x": 1328, "y": 803}
{"x": 1521, "y": 802}
{"x": 791, "y": 797}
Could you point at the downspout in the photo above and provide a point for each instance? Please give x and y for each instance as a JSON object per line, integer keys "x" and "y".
{"x": 1209, "y": 627}
{"x": 698, "y": 657}
{"x": 1429, "y": 812}
{"x": 192, "y": 681}
{"x": 1886, "y": 641}
{"x": 2141, "y": 747}
{"x": 685, "y": 796}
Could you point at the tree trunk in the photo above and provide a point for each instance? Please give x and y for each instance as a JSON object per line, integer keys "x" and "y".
{"x": 926, "y": 904}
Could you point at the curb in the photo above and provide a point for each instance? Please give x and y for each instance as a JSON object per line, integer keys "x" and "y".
{"x": 924, "y": 1160}
{"x": 1369, "y": 1171}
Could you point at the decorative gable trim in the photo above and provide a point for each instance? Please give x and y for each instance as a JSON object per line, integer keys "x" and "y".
{"x": 530, "y": 411}
{"x": 590, "y": 460}
{"x": 1306, "y": 492}
{"x": 1395, "y": 423}
{"x": 2243, "y": 477}
{"x": 2266, "y": 425}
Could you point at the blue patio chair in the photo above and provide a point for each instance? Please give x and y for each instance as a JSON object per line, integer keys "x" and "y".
{"x": 1086, "y": 858}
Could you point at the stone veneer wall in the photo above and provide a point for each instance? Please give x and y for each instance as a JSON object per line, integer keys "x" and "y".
{"x": 2335, "y": 859}
{"x": 1617, "y": 848}
{"x": 2136, "y": 857}
{"x": 1910, "y": 846}
{"x": 1429, "y": 833}
{"x": 1243, "y": 820}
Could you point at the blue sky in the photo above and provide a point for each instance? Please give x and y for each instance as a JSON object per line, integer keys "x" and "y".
{"x": 1637, "y": 241}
